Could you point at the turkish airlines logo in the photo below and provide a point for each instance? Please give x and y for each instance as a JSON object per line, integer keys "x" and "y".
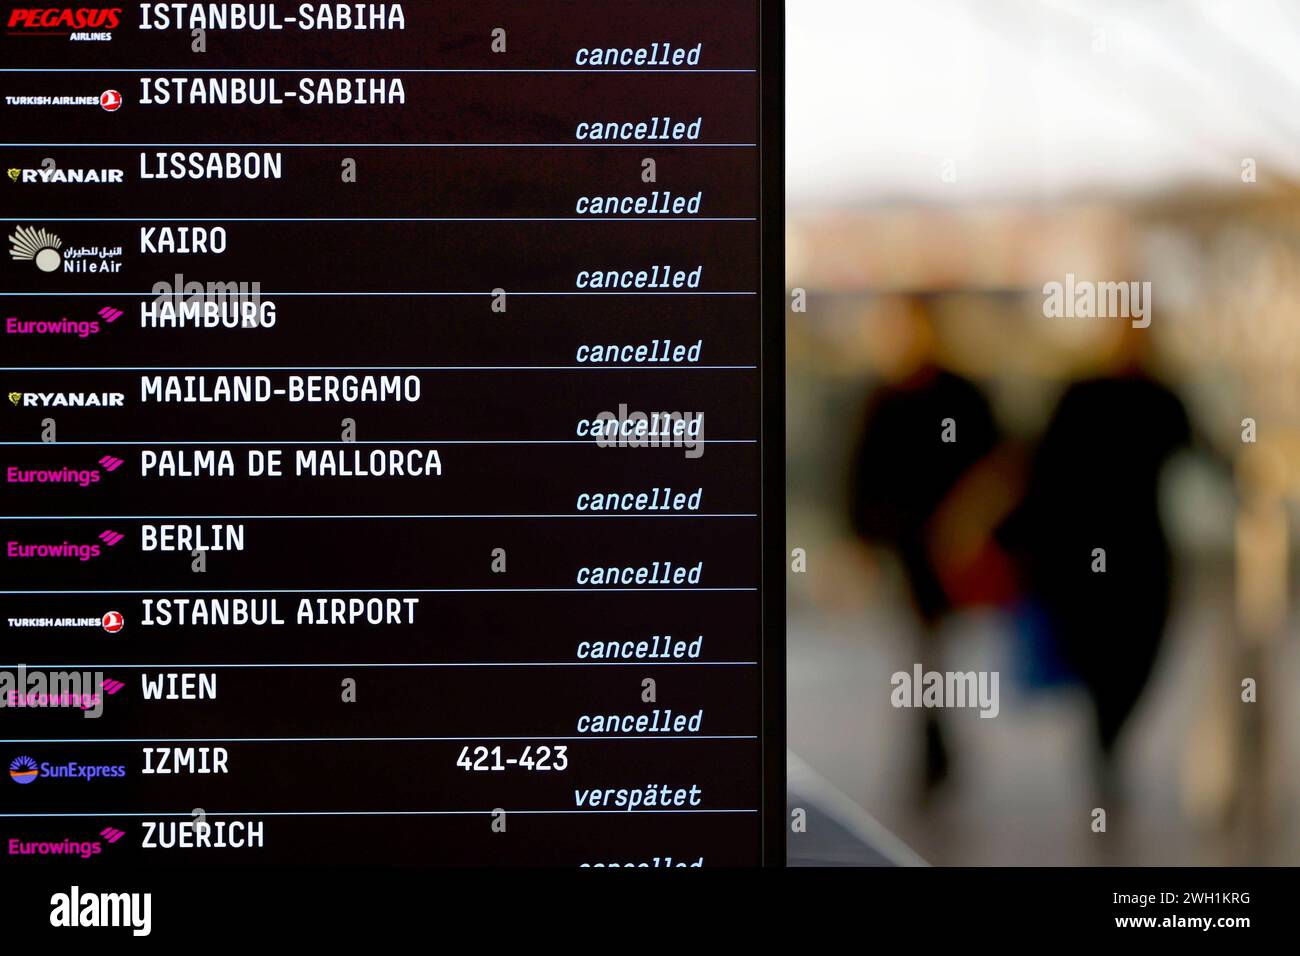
{"x": 108, "y": 100}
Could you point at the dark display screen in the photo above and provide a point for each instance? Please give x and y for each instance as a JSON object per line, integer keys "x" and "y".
{"x": 392, "y": 435}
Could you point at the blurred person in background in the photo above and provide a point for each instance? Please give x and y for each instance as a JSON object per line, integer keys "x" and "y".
{"x": 1092, "y": 552}
{"x": 926, "y": 484}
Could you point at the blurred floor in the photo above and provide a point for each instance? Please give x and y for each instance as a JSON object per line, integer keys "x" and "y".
{"x": 836, "y": 831}
{"x": 1020, "y": 793}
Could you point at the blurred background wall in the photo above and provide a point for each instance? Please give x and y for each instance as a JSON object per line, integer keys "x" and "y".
{"x": 947, "y": 159}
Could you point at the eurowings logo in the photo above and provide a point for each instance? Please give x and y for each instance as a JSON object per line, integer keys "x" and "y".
{"x": 65, "y": 549}
{"x": 65, "y": 475}
{"x": 66, "y": 847}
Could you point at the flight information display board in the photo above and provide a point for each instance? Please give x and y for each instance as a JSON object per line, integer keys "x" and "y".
{"x": 392, "y": 442}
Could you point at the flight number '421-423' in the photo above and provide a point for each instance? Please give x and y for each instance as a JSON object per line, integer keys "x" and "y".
{"x": 532, "y": 758}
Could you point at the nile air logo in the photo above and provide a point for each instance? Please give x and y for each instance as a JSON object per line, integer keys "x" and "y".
{"x": 29, "y": 244}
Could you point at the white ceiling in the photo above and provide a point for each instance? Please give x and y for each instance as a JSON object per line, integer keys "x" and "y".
{"x": 1036, "y": 100}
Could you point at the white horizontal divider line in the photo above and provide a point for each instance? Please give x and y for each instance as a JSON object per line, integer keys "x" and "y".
{"x": 180, "y": 294}
{"x": 589, "y": 590}
{"x": 665, "y": 446}
{"x": 331, "y": 517}
{"x": 640, "y": 662}
{"x": 638, "y": 144}
{"x": 649, "y": 218}
{"x": 327, "y": 740}
{"x": 377, "y": 70}
{"x": 365, "y": 813}
{"x": 644, "y": 366}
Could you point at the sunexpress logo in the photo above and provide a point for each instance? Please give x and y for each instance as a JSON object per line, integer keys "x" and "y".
{"x": 25, "y": 770}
